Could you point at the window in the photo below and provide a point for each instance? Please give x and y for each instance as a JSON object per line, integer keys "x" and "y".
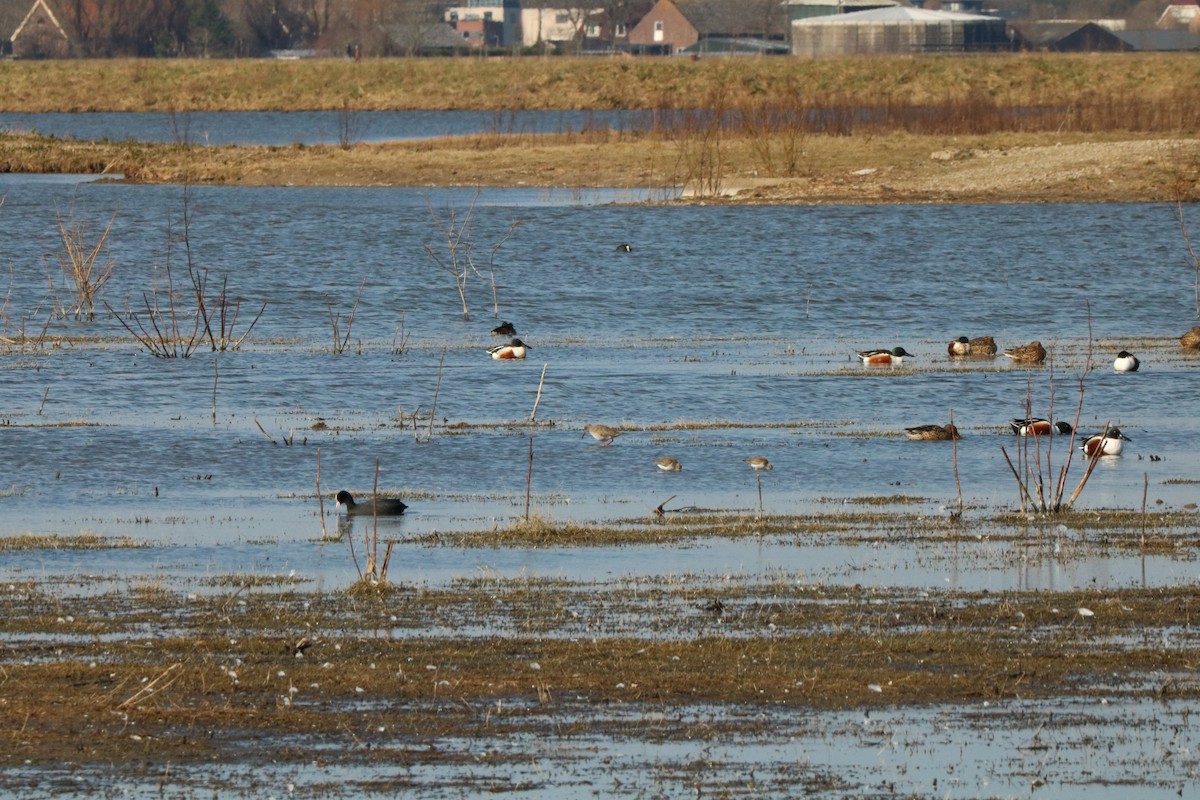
{"x": 658, "y": 26}
{"x": 619, "y": 29}
{"x": 562, "y": 19}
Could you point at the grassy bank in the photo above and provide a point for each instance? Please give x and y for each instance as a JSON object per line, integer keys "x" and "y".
{"x": 1017, "y": 127}
{"x": 1136, "y": 89}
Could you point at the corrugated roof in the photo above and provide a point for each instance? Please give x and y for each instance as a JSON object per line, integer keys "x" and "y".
{"x": 895, "y": 14}
{"x": 1159, "y": 40}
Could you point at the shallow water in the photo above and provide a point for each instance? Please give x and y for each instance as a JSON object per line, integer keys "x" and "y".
{"x": 723, "y": 315}
{"x": 311, "y": 127}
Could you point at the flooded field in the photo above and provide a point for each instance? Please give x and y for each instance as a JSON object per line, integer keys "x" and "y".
{"x": 849, "y": 634}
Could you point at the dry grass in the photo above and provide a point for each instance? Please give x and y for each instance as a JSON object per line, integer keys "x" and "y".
{"x": 1125, "y": 82}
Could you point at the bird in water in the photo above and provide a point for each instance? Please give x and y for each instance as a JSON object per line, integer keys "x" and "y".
{"x": 504, "y": 329}
{"x": 883, "y": 357}
{"x": 759, "y": 463}
{"x": 505, "y": 352}
{"x": 601, "y": 433}
{"x": 1126, "y": 362}
{"x": 1105, "y": 444}
{"x": 959, "y": 347}
{"x": 381, "y": 507}
{"x": 624, "y": 247}
{"x": 933, "y": 433}
{"x": 1032, "y": 353}
{"x": 1036, "y": 426}
{"x": 668, "y": 464}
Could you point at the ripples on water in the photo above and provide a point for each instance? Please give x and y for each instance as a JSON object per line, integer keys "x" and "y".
{"x": 744, "y": 315}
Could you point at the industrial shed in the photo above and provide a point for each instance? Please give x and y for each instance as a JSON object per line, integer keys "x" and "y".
{"x": 899, "y": 29}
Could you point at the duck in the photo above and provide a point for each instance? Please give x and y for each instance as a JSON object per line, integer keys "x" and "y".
{"x": 668, "y": 464}
{"x": 514, "y": 349}
{"x": 624, "y": 247}
{"x": 1105, "y": 444}
{"x": 959, "y": 347}
{"x": 881, "y": 357}
{"x": 1126, "y": 362}
{"x": 1036, "y": 426}
{"x": 933, "y": 433}
{"x": 504, "y": 329}
{"x": 1032, "y": 353}
{"x": 381, "y": 507}
{"x": 759, "y": 464}
{"x": 983, "y": 346}
{"x": 1191, "y": 339}
{"x": 601, "y": 433}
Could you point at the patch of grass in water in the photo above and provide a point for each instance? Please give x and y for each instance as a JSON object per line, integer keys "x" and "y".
{"x": 54, "y": 541}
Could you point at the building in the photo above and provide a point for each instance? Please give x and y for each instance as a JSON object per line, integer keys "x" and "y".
{"x": 510, "y": 25}
{"x": 1181, "y": 14}
{"x": 806, "y": 9}
{"x": 675, "y": 26}
{"x": 39, "y": 35}
{"x": 899, "y": 29}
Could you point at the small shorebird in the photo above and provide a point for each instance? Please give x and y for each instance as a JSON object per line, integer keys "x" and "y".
{"x": 759, "y": 464}
{"x": 504, "y": 329}
{"x": 668, "y": 464}
{"x": 1191, "y": 339}
{"x": 601, "y": 433}
{"x": 983, "y": 346}
{"x": 514, "y": 349}
{"x": 878, "y": 357}
{"x": 1032, "y": 353}
{"x": 383, "y": 507}
{"x": 932, "y": 433}
{"x": 959, "y": 347}
{"x": 1126, "y": 362}
{"x": 1036, "y": 426}
{"x": 1105, "y": 444}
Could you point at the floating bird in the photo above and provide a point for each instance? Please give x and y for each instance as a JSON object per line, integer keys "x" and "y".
{"x": 514, "y": 349}
{"x": 1036, "y": 426}
{"x": 759, "y": 464}
{"x": 1105, "y": 444}
{"x": 959, "y": 347}
{"x": 933, "y": 433}
{"x": 382, "y": 507}
{"x": 1032, "y": 353}
{"x": 1126, "y": 362}
{"x": 983, "y": 346}
{"x": 601, "y": 433}
{"x": 876, "y": 357}
{"x": 1191, "y": 339}
{"x": 504, "y": 329}
{"x": 624, "y": 247}
{"x": 669, "y": 464}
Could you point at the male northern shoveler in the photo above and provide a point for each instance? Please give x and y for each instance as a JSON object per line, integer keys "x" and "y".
{"x": 504, "y": 329}
{"x": 1036, "y": 426}
{"x": 514, "y": 349}
{"x": 381, "y": 507}
{"x": 759, "y": 463}
{"x": 877, "y": 357}
{"x": 1105, "y": 444}
{"x": 1191, "y": 339}
{"x": 959, "y": 347}
{"x": 668, "y": 464}
{"x": 624, "y": 247}
{"x": 933, "y": 433}
{"x": 1032, "y": 353}
{"x": 983, "y": 346}
{"x": 601, "y": 433}
{"x": 1126, "y": 362}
